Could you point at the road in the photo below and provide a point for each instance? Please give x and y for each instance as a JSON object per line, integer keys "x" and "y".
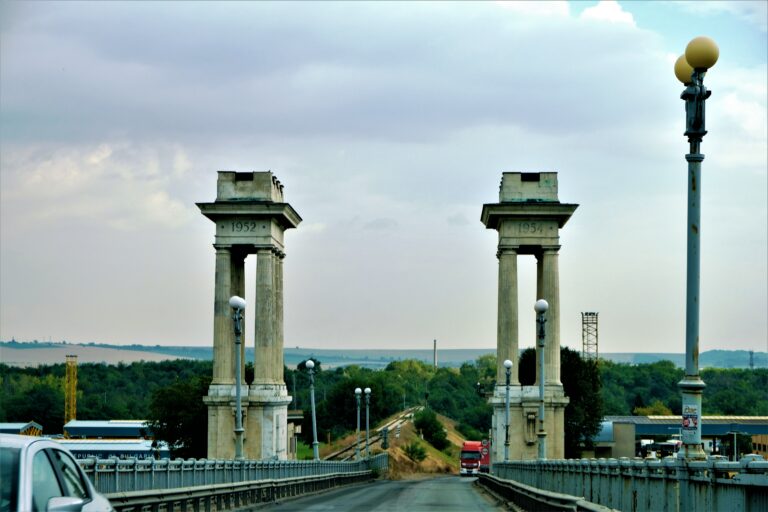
{"x": 441, "y": 494}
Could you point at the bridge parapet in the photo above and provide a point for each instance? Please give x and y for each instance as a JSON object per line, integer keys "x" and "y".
{"x": 644, "y": 484}
{"x": 114, "y": 475}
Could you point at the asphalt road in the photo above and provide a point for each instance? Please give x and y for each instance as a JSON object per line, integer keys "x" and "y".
{"x": 441, "y": 494}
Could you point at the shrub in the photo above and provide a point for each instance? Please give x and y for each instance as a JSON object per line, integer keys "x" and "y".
{"x": 426, "y": 421}
{"x": 415, "y": 451}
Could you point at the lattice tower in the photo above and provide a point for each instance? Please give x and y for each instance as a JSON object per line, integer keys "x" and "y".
{"x": 589, "y": 336}
{"x": 70, "y": 390}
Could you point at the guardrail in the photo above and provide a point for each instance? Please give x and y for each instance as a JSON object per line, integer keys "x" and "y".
{"x": 531, "y": 498}
{"x": 670, "y": 484}
{"x": 120, "y": 475}
{"x": 232, "y": 496}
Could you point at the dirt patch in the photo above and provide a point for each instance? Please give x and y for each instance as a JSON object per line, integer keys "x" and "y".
{"x": 444, "y": 462}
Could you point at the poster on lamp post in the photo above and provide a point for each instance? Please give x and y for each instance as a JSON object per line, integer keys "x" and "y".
{"x": 690, "y": 425}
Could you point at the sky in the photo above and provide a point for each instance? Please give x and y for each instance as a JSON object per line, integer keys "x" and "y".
{"x": 390, "y": 125}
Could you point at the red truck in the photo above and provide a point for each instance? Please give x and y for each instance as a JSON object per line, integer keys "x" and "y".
{"x": 474, "y": 458}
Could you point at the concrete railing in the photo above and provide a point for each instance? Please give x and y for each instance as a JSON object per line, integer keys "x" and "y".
{"x": 526, "y": 497}
{"x": 233, "y": 496}
{"x": 669, "y": 484}
{"x": 121, "y": 475}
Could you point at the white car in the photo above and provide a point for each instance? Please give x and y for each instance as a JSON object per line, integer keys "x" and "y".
{"x": 38, "y": 474}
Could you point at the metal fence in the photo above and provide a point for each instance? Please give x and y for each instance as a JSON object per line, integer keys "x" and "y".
{"x": 121, "y": 475}
{"x": 670, "y": 484}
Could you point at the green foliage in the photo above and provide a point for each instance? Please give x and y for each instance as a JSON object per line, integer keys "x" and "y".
{"x": 415, "y": 451}
{"x": 127, "y": 391}
{"x": 470, "y": 432}
{"x": 655, "y": 409}
{"x": 178, "y": 416}
{"x": 627, "y": 387}
{"x": 430, "y": 427}
{"x": 103, "y": 391}
{"x": 730, "y": 392}
{"x": 304, "y": 451}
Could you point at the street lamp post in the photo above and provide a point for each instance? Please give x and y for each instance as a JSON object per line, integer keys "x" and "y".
{"x": 238, "y": 304}
{"x": 310, "y": 364}
{"x": 690, "y": 68}
{"x": 541, "y": 308}
{"x": 367, "y": 418}
{"x": 358, "y": 392}
{"x": 508, "y": 367}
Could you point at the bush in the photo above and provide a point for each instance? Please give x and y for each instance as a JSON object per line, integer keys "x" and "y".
{"x": 426, "y": 421}
{"x": 469, "y": 432}
{"x": 415, "y": 452}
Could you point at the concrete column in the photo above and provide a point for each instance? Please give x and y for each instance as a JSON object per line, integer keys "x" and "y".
{"x": 238, "y": 288}
{"x": 539, "y": 295}
{"x": 507, "y": 330}
{"x": 223, "y": 332}
{"x": 278, "y": 345}
{"x": 264, "y": 364}
{"x": 549, "y": 290}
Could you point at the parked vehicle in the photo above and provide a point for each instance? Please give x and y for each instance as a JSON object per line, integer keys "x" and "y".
{"x": 40, "y": 474}
{"x": 474, "y": 458}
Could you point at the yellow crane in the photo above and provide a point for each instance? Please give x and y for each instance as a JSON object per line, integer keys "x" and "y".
{"x": 70, "y": 390}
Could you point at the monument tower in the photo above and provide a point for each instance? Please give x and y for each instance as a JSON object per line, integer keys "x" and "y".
{"x": 528, "y": 218}
{"x": 251, "y": 218}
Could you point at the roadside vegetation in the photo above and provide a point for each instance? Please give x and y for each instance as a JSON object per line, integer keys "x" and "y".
{"x": 168, "y": 394}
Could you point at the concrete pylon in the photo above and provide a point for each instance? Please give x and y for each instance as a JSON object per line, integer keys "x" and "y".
{"x": 251, "y": 218}
{"x": 528, "y": 218}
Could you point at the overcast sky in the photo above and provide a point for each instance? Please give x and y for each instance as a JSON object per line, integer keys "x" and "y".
{"x": 390, "y": 125}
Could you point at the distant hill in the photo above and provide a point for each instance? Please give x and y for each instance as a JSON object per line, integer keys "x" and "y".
{"x": 37, "y": 353}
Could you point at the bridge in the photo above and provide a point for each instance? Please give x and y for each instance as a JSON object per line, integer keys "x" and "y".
{"x": 623, "y": 484}
{"x": 251, "y": 216}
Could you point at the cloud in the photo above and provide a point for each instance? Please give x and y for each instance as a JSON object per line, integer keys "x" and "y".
{"x": 754, "y": 12}
{"x": 610, "y": 11}
{"x": 381, "y": 224}
{"x": 543, "y": 8}
{"x": 312, "y": 72}
{"x": 389, "y": 124}
{"x": 457, "y": 220}
{"x": 119, "y": 185}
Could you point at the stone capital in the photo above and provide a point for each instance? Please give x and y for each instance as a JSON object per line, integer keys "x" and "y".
{"x": 507, "y": 251}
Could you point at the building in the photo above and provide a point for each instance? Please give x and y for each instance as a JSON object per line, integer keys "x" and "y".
{"x": 627, "y": 436}
{"x": 109, "y": 429}
{"x": 31, "y": 428}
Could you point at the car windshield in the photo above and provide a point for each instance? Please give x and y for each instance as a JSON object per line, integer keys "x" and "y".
{"x": 470, "y": 455}
{"x": 9, "y": 476}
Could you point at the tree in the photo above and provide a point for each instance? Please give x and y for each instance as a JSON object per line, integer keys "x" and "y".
{"x": 178, "y": 416}
{"x": 657, "y": 408}
{"x": 426, "y": 421}
{"x": 581, "y": 384}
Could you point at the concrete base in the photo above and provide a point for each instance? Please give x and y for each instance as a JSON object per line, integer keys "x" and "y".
{"x": 221, "y": 423}
{"x": 265, "y": 420}
{"x": 523, "y": 422}
{"x": 266, "y": 431}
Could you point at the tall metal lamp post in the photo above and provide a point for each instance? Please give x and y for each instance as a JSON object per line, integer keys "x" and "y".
{"x": 541, "y": 308}
{"x": 238, "y": 304}
{"x": 310, "y": 364}
{"x": 367, "y": 418}
{"x": 690, "y": 68}
{"x": 508, "y": 367}
{"x": 358, "y": 392}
